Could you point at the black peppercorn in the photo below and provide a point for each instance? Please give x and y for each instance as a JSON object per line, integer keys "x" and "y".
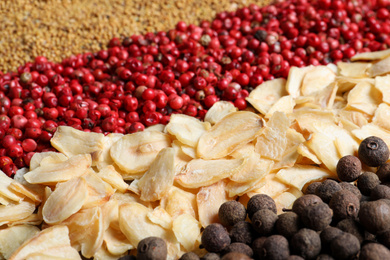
{"x": 374, "y": 251}
{"x": 189, "y": 256}
{"x": 215, "y": 238}
{"x": 327, "y": 235}
{"x": 326, "y": 190}
{"x": 380, "y": 192}
{"x": 243, "y": 232}
{"x": 383, "y": 172}
{"x": 375, "y": 215}
{"x": 345, "y": 246}
{"x": 353, "y": 227}
{"x": 373, "y": 151}
{"x": 348, "y": 168}
{"x": 288, "y": 224}
{"x": 263, "y": 221}
{"x": 210, "y": 256}
{"x": 239, "y": 248}
{"x": 352, "y": 188}
{"x": 235, "y": 256}
{"x": 260, "y": 201}
{"x": 366, "y": 182}
{"x": 306, "y": 243}
{"x": 316, "y": 216}
{"x": 231, "y": 212}
{"x": 344, "y": 204}
{"x": 302, "y": 202}
{"x": 275, "y": 247}
{"x": 152, "y": 248}
{"x": 311, "y": 188}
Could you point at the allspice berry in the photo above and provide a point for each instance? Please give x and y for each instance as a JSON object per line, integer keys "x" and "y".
{"x": 295, "y": 257}
{"x": 275, "y": 247}
{"x": 311, "y": 188}
{"x": 324, "y": 257}
{"x": 345, "y": 246}
{"x": 210, "y": 256}
{"x": 263, "y": 221}
{"x": 189, "y": 256}
{"x": 231, "y": 212}
{"x": 374, "y": 251}
{"x": 326, "y": 190}
{"x": 352, "y": 188}
{"x": 353, "y": 227}
{"x": 375, "y": 215}
{"x": 243, "y": 232}
{"x": 306, "y": 243}
{"x": 380, "y": 192}
{"x": 302, "y": 202}
{"x": 152, "y": 248}
{"x": 327, "y": 235}
{"x": 288, "y": 224}
{"x": 383, "y": 172}
{"x": 373, "y": 151}
{"x": 260, "y": 201}
{"x": 215, "y": 238}
{"x": 366, "y": 182}
{"x": 257, "y": 246}
{"x": 317, "y": 216}
{"x": 383, "y": 237}
{"x": 348, "y": 168}
{"x": 235, "y": 256}
{"x": 344, "y": 204}
{"x": 239, "y": 248}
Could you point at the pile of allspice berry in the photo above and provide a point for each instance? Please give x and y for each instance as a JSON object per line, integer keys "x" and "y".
{"x": 348, "y": 218}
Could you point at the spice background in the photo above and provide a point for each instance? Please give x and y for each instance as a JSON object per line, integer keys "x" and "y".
{"x": 59, "y": 28}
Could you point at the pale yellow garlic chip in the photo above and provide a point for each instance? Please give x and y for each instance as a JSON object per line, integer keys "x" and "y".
{"x": 244, "y": 151}
{"x": 33, "y": 219}
{"x": 65, "y": 200}
{"x": 325, "y": 98}
{"x": 383, "y": 85}
{"x": 15, "y": 212}
{"x": 112, "y": 177}
{"x": 273, "y": 187}
{"x": 103, "y": 254}
{"x": 99, "y": 191}
{"x": 86, "y": 230}
{"x": 157, "y": 127}
{"x": 104, "y": 158}
{"x": 284, "y": 104}
{"x": 13, "y": 237}
{"x": 133, "y": 153}
{"x": 38, "y": 157}
{"x": 239, "y": 189}
{"x": 186, "y": 129}
{"x": 6, "y": 191}
{"x": 294, "y": 80}
{"x": 380, "y": 68}
{"x": 135, "y": 225}
{"x": 299, "y": 175}
{"x": 21, "y": 189}
{"x": 303, "y": 150}
{"x": 372, "y": 130}
{"x": 284, "y": 201}
{"x": 267, "y": 94}
{"x": 325, "y": 150}
{"x": 187, "y": 230}
{"x": 158, "y": 179}
{"x": 218, "y": 111}
{"x": 199, "y": 172}
{"x": 231, "y": 132}
{"x": 271, "y": 144}
{"x": 49, "y": 174}
{"x": 57, "y": 253}
{"x": 354, "y": 69}
{"x": 254, "y": 169}
{"x": 47, "y": 240}
{"x": 209, "y": 199}
{"x": 364, "y": 97}
{"x": 71, "y": 141}
{"x": 4, "y": 200}
{"x": 116, "y": 243}
{"x": 181, "y": 159}
{"x": 178, "y": 202}
{"x": 316, "y": 80}
{"x": 381, "y": 117}
{"x": 190, "y": 151}
{"x": 161, "y": 217}
{"x": 133, "y": 187}
{"x": 347, "y": 83}
{"x": 375, "y": 55}
{"x": 355, "y": 117}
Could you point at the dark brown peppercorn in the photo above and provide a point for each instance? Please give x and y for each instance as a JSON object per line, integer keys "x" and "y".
{"x": 260, "y": 201}
{"x": 152, "y": 248}
{"x": 231, "y": 212}
{"x": 317, "y": 216}
{"x": 373, "y": 151}
{"x": 353, "y": 227}
{"x": 235, "y": 256}
{"x": 383, "y": 172}
{"x": 311, "y": 188}
{"x": 239, "y": 248}
{"x": 211, "y": 256}
{"x": 327, "y": 235}
{"x": 348, "y": 168}
{"x": 306, "y": 243}
{"x": 257, "y": 246}
{"x": 215, "y": 238}
{"x": 380, "y": 192}
{"x": 352, "y": 188}
{"x": 295, "y": 257}
{"x": 243, "y": 232}
{"x": 366, "y": 182}
{"x": 263, "y": 221}
{"x": 345, "y": 246}
{"x": 128, "y": 257}
{"x": 288, "y": 224}
{"x": 374, "y": 251}
{"x": 326, "y": 190}
{"x": 275, "y": 247}
{"x": 384, "y": 237}
{"x": 189, "y": 256}
{"x": 302, "y": 202}
{"x": 324, "y": 257}
{"x": 344, "y": 204}
{"x": 375, "y": 216}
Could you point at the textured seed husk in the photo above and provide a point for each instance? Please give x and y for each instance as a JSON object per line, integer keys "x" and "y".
{"x": 231, "y": 132}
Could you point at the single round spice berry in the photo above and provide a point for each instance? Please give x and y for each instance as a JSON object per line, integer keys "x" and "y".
{"x": 352, "y": 188}
{"x": 324, "y": 257}
{"x": 366, "y": 182}
{"x": 152, "y": 248}
{"x": 327, "y": 236}
{"x": 345, "y": 246}
{"x": 344, "y": 204}
{"x": 257, "y": 246}
{"x": 373, "y": 151}
{"x": 375, "y": 215}
{"x": 383, "y": 237}
{"x": 380, "y": 192}
{"x": 210, "y": 256}
{"x": 239, "y": 248}
{"x": 288, "y": 224}
{"x": 353, "y": 227}
{"x": 260, "y": 201}
{"x": 316, "y": 216}
{"x": 275, "y": 247}
{"x": 374, "y": 251}
{"x": 189, "y": 256}
{"x": 235, "y": 256}
{"x": 311, "y": 188}
{"x": 383, "y": 172}
{"x": 263, "y": 221}
{"x": 243, "y": 232}
{"x": 348, "y": 168}
{"x": 326, "y": 190}
{"x": 302, "y": 202}
{"x": 231, "y": 212}
{"x": 215, "y": 238}
{"x": 306, "y": 243}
